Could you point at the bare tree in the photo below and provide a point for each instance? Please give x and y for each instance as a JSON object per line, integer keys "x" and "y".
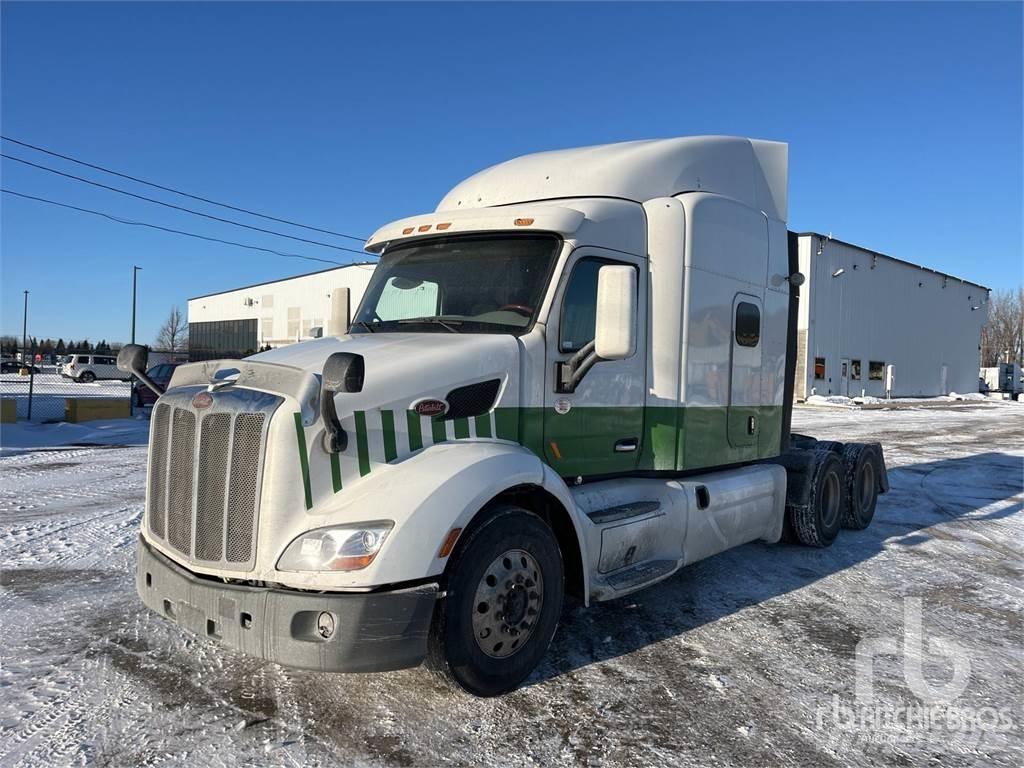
{"x": 1002, "y": 337}
{"x": 173, "y": 334}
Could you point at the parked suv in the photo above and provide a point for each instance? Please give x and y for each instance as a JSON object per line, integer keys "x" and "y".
{"x": 87, "y": 368}
{"x": 161, "y": 375}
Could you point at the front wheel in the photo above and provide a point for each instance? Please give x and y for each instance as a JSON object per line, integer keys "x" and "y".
{"x": 87, "y": 378}
{"x": 504, "y": 598}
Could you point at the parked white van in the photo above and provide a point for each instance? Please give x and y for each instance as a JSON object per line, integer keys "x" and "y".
{"x": 88, "y": 368}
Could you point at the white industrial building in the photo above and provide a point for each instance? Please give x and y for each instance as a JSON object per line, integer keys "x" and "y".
{"x": 866, "y": 320}
{"x": 865, "y": 316}
{"x": 244, "y": 320}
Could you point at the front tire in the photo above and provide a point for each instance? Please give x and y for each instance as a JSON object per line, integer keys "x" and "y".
{"x": 505, "y": 584}
{"x": 87, "y": 378}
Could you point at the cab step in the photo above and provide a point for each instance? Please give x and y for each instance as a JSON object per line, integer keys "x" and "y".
{"x": 640, "y": 574}
{"x": 623, "y": 512}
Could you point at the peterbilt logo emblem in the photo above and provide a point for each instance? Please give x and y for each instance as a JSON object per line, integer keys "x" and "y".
{"x": 430, "y": 407}
{"x": 202, "y": 400}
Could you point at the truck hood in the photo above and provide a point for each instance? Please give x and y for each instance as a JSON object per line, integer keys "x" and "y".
{"x": 404, "y": 367}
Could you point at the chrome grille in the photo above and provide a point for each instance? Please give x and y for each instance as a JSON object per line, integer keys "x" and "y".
{"x": 205, "y": 474}
{"x": 179, "y": 480}
{"x": 242, "y": 499}
{"x": 158, "y": 471}
{"x": 214, "y": 444}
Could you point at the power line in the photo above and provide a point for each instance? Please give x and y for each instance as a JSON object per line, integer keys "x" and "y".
{"x": 175, "y": 207}
{"x": 133, "y": 223}
{"x": 179, "y": 192}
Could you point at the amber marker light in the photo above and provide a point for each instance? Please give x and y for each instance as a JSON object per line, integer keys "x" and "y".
{"x": 408, "y": 230}
{"x": 424, "y": 227}
{"x": 443, "y": 225}
{"x": 555, "y": 451}
{"x": 449, "y": 542}
{"x": 523, "y": 222}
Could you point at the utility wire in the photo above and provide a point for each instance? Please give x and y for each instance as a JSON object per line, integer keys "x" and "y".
{"x": 178, "y": 191}
{"x": 175, "y": 207}
{"x": 133, "y": 223}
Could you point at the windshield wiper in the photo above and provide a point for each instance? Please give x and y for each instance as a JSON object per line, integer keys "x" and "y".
{"x": 434, "y": 320}
{"x": 365, "y": 325}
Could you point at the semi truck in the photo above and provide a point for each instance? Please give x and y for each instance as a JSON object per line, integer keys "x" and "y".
{"x": 572, "y": 379}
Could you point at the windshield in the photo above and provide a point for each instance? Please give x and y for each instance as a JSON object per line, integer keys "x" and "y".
{"x": 462, "y": 284}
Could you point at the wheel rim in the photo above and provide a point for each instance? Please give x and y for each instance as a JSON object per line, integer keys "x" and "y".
{"x": 866, "y": 487}
{"x": 830, "y": 500}
{"x": 507, "y": 603}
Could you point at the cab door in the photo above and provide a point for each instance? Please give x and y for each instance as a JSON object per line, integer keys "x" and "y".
{"x": 597, "y": 429}
{"x": 745, "y": 374}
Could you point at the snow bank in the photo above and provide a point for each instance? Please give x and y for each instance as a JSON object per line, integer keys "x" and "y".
{"x": 22, "y": 437}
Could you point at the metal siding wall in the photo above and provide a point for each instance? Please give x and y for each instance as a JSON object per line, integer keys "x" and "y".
{"x": 876, "y": 310}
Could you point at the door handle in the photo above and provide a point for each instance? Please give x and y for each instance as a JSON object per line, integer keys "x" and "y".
{"x": 626, "y": 445}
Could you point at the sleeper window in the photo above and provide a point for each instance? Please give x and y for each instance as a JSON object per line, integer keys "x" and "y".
{"x": 748, "y": 324}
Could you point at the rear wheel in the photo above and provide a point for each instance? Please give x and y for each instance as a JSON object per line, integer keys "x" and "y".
{"x": 817, "y": 523}
{"x": 504, "y": 598}
{"x": 861, "y": 485}
{"x": 88, "y": 377}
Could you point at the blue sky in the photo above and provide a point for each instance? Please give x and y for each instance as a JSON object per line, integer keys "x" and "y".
{"x": 904, "y": 124}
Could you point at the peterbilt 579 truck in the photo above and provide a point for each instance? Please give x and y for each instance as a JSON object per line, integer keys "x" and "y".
{"x": 575, "y": 377}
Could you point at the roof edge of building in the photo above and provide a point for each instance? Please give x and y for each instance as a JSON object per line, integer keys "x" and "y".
{"x": 892, "y": 258}
{"x": 283, "y": 279}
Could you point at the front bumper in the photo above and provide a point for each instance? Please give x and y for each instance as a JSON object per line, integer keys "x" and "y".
{"x": 373, "y": 632}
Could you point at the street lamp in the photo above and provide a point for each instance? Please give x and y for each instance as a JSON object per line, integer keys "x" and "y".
{"x": 135, "y": 273}
{"x": 24, "y": 332}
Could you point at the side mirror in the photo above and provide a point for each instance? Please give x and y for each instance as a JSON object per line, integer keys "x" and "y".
{"x": 615, "y": 327}
{"x": 133, "y": 359}
{"x": 343, "y": 372}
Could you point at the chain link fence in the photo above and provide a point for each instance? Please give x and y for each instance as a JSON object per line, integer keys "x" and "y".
{"x": 42, "y": 395}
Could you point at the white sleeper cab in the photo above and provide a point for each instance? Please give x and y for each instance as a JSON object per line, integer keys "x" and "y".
{"x": 575, "y": 376}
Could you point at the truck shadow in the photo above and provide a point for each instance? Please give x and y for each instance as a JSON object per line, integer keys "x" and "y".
{"x": 921, "y": 498}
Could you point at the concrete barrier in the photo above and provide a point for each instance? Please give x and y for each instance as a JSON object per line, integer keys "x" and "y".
{"x": 91, "y": 408}
{"x": 8, "y": 411}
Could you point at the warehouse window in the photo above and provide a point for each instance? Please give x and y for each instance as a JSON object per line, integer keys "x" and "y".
{"x": 876, "y": 370}
{"x": 819, "y": 368}
{"x": 748, "y": 324}
{"x": 855, "y": 370}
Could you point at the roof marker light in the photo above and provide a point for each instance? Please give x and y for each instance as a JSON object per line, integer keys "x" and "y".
{"x": 523, "y": 222}
{"x": 408, "y": 230}
{"x": 443, "y": 225}
{"x": 423, "y": 227}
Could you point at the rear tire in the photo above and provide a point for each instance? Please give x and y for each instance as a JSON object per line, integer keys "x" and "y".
{"x": 505, "y": 585}
{"x": 862, "y": 484}
{"x": 817, "y": 524}
{"x": 87, "y": 378}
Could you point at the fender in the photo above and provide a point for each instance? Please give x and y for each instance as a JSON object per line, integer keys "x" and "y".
{"x": 426, "y": 495}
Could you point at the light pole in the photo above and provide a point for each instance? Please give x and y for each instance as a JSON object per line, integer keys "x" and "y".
{"x": 24, "y": 332}
{"x": 839, "y": 347}
{"x": 135, "y": 274}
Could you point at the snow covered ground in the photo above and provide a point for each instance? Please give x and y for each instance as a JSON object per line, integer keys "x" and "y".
{"x": 745, "y": 659}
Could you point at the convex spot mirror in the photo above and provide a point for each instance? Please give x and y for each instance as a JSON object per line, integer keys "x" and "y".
{"x": 615, "y": 325}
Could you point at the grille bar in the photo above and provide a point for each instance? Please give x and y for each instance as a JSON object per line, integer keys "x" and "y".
{"x": 205, "y": 474}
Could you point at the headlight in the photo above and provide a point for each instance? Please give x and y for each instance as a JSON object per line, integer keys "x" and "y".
{"x": 338, "y": 548}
